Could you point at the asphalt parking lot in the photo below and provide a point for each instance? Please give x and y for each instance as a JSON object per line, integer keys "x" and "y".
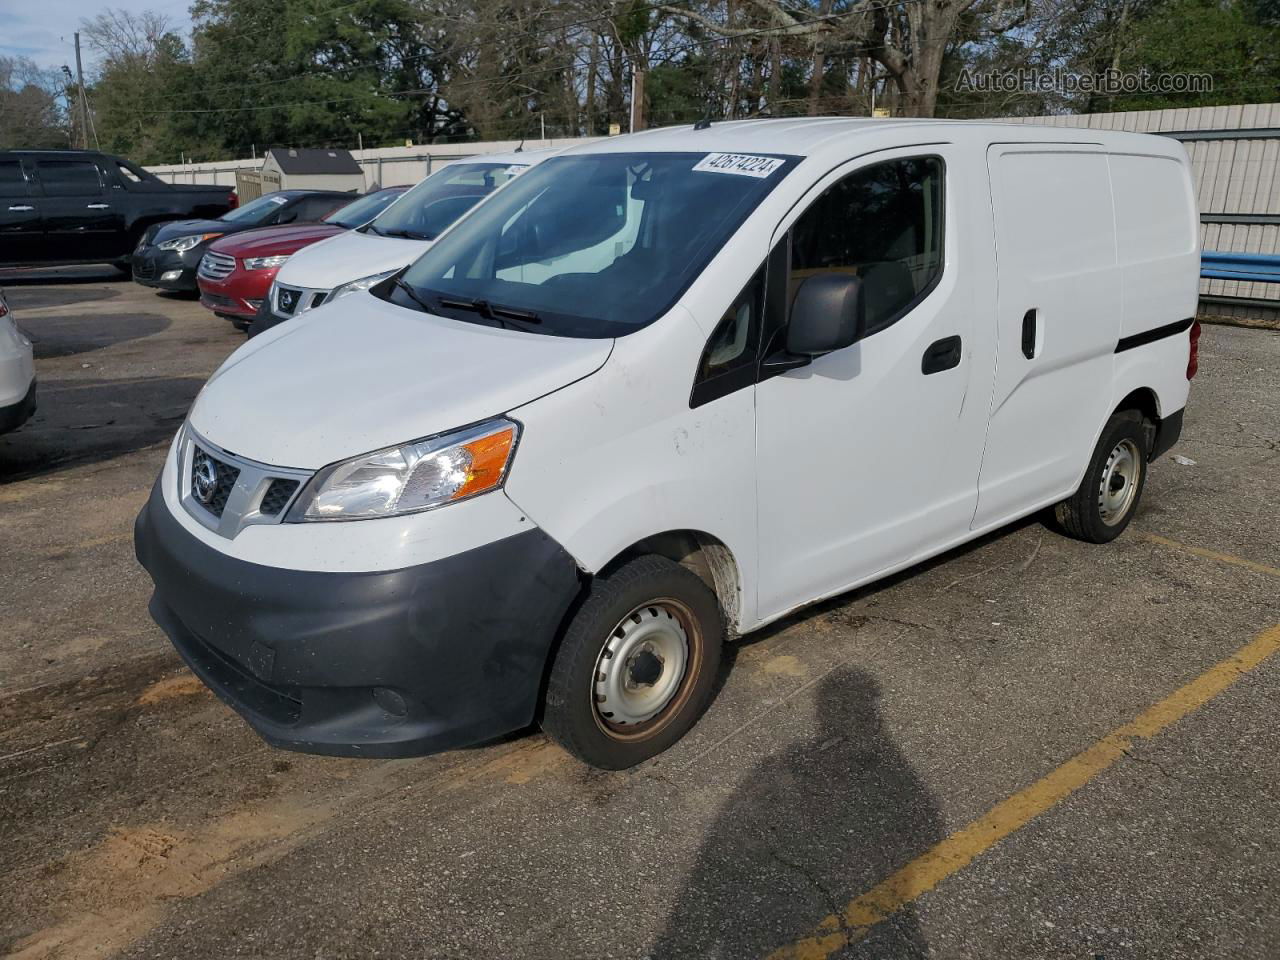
{"x": 1030, "y": 747}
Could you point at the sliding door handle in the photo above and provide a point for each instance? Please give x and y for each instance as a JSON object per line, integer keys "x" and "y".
{"x": 1029, "y": 334}
{"x": 23, "y": 208}
{"x": 98, "y": 206}
{"x": 941, "y": 355}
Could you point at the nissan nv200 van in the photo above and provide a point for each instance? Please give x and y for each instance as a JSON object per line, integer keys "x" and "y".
{"x": 660, "y": 391}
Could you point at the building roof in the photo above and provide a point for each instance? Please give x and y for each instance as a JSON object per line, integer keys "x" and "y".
{"x": 302, "y": 160}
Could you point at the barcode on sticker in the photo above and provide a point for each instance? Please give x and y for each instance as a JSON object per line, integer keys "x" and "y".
{"x": 742, "y": 164}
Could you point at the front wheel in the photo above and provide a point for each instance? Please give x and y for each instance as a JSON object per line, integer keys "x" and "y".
{"x": 1108, "y": 496}
{"x": 637, "y": 664}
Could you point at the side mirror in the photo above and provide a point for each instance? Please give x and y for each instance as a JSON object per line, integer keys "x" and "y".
{"x": 828, "y": 314}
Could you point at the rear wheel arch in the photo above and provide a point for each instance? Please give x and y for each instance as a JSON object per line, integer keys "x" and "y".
{"x": 1143, "y": 400}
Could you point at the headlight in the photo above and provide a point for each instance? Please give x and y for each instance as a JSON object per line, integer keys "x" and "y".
{"x": 412, "y": 477}
{"x": 182, "y": 244}
{"x": 264, "y": 263}
{"x": 355, "y": 286}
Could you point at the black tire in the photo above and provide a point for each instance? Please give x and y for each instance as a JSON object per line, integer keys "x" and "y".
{"x": 647, "y": 588}
{"x": 1085, "y": 515}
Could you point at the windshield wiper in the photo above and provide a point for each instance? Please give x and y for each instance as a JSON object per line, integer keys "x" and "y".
{"x": 413, "y": 295}
{"x": 491, "y": 312}
{"x": 403, "y": 234}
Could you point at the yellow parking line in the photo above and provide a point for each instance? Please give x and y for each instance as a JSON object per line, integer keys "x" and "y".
{"x": 1212, "y": 554}
{"x": 958, "y": 850}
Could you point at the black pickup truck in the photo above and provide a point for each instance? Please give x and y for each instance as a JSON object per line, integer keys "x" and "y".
{"x": 78, "y": 206}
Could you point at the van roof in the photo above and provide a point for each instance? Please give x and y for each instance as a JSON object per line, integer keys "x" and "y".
{"x": 802, "y": 136}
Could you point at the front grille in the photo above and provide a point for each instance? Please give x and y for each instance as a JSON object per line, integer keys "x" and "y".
{"x": 216, "y": 266}
{"x": 287, "y": 300}
{"x": 319, "y": 298}
{"x": 226, "y": 493}
{"x": 211, "y": 481}
{"x": 277, "y": 497}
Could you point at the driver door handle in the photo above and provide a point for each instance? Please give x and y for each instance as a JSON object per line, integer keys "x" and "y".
{"x": 98, "y": 206}
{"x": 941, "y": 355}
{"x": 23, "y": 207}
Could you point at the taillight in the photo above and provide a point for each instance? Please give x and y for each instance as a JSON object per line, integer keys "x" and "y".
{"x": 1193, "y": 360}
{"x": 233, "y": 200}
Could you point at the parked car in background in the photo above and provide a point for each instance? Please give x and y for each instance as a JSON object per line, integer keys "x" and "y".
{"x": 236, "y": 271}
{"x": 17, "y": 372}
{"x": 168, "y": 254}
{"x": 80, "y": 206}
{"x": 662, "y": 391}
{"x": 360, "y": 258}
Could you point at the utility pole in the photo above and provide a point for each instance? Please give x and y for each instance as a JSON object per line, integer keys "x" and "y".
{"x": 637, "y": 100}
{"x": 71, "y": 107}
{"x": 84, "y": 100}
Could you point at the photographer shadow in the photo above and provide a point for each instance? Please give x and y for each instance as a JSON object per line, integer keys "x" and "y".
{"x": 810, "y": 829}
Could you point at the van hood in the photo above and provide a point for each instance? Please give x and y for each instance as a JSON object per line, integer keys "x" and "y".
{"x": 361, "y": 374}
{"x": 347, "y": 257}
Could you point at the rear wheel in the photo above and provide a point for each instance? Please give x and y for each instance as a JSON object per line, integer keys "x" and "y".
{"x": 637, "y": 664}
{"x": 1108, "y": 496}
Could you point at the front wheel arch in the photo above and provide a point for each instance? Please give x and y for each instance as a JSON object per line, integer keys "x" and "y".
{"x": 707, "y": 556}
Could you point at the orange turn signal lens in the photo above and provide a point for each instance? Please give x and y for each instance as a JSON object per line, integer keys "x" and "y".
{"x": 489, "y": 458}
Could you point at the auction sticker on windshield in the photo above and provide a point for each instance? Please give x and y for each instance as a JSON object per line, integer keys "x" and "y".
{"x": 742, "y": 164}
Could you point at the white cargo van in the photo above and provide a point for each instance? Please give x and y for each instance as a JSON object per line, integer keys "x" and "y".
{"x": 662, "y": 390}
{"x": 357, "y": 259}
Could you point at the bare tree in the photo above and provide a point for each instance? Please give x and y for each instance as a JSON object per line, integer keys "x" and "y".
{"x": 908, "y": 38}
{"x": 30, "y": 115}
{"x": 125, "y": 37}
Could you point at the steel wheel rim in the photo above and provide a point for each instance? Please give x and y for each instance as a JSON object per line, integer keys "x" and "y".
{"x": 1119, "y": 486}
{"x": 643, "y": 672}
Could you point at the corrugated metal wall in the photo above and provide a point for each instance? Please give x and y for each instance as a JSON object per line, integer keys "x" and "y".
{"x": 1235, "y": 176}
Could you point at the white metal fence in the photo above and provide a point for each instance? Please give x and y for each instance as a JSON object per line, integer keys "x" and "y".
{"x": 386, "y": 167}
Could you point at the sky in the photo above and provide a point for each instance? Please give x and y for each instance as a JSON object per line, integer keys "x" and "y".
{"x": 43, "y": 29}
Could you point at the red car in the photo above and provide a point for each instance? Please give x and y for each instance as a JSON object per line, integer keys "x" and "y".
{"x": 236, "y": 272}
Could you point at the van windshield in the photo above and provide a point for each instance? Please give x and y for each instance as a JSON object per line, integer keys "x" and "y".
{"x": 433, "y": 205}
{"x": 363, "y": 209}
{"x": 596, "y": 245}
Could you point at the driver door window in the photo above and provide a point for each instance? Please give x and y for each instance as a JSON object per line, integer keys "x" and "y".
{"x": 882, "y": 224}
